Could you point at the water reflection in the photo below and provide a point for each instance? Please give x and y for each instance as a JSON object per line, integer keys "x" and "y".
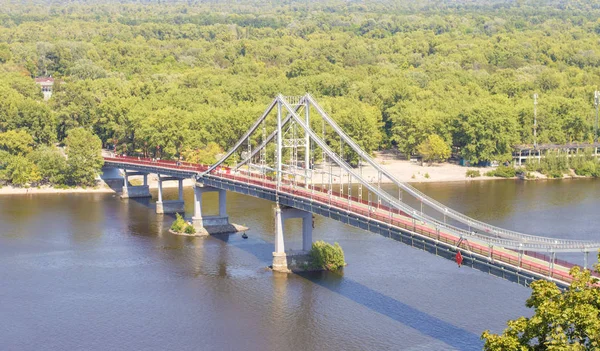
{"x": 108, "y": 271}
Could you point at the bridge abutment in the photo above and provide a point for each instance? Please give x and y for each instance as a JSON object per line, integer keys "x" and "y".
{"x": 284, "y": 260}
{"x": 135, "y": 191}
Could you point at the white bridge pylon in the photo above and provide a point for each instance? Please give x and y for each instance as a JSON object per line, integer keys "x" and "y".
{"x": 299, "y": 147}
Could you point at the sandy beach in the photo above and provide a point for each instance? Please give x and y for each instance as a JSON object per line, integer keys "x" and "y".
{"x": 403, "y": 170}
{"x": 10, "y": 190}
{"x": 101, "y": 187}
{"x": 411, "y": 172}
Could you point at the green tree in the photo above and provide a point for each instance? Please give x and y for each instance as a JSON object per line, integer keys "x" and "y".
{"x": 434, "y": 148}
{"x": 326, "y": 256}
{"x": 51, "y": 163}
{"x": 84, "y": 156}
{"x": 16, "y": 142}
{"x": 485, "y": 132}
{"x": 21, "y": 171}
{"x": 568, "y": 320}
{"x": 205, "y": 155}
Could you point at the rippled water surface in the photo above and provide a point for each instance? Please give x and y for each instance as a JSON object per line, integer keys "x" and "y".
{"x": 93, "y": 272}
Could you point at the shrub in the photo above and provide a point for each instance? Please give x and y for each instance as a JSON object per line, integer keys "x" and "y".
{"x": 179, "y": 225}
{"x": 473, "y": 173}
{"x": 587, "y": 168}
{"x": 503, "y": 171}
{"x": 327, "y": 256}
{"x": 189, "y": 229}
{"x": 555, "y": 173}
{"x": 426, "y": 176}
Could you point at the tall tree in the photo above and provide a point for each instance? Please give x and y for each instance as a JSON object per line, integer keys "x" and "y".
{"x": 434, "y": 148}
{"x": 84, "y": 156}
{"x": 568, "y": 320}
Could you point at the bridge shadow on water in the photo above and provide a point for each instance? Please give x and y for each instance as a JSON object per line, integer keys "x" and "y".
{"x": 426, "y": 324}
{"x": 423, "y": 322}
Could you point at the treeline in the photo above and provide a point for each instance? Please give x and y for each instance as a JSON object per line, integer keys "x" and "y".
{"x": 77, "y": 163}
{"x": 190, "y": 77}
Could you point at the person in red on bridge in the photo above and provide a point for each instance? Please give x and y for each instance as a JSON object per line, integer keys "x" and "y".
{"x": 459, "y": 258}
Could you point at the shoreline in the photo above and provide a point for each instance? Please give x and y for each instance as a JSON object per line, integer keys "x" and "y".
{"x": 403, "y": 170}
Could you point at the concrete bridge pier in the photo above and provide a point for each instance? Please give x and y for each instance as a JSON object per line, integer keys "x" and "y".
{"x": 171, "y": 206}
{"x": 212, "y": 224}
{"x": 130, "y": 191}
{"x": 283, "y": 260}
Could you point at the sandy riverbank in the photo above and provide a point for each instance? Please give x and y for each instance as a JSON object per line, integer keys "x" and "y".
{"x": 410, "y": 172}
{"x": 9, "y": 190}
{"x": 102, "y": 187}
{"x": 403, "y": 170}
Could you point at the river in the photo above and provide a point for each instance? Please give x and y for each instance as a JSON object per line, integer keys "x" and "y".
{"x": 94, "y": 272}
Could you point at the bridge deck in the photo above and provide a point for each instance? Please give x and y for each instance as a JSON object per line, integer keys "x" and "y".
{"x": 529, "y": 263}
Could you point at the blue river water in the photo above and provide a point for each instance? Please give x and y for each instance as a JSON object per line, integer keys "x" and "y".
{"x": 94, "y": 272}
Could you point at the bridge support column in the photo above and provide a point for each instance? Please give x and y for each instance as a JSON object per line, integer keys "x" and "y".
{"x": 218, "y": 224}
{"x": 137, "y": 191}
{"x": 280, "y": 256}
{"x": 171, "y": 206}
{"x": 159, "y": 202}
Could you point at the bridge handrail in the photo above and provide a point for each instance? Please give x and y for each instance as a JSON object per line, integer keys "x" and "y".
{"x": 401, "y": 207}
{"x": 439, "y": 207}
{"x": 583, "y": 245}
{"x": 477, "y": 247}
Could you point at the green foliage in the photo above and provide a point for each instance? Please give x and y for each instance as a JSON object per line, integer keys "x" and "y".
{"x": 20, "y": 171}
{"x": 588, "y": 169}
{"x": 473, "y": 173}
{"x": 84, "y": 156}
{"x": 485, "y": 131}
{"x": 502, "y": 171}
{"x": 189, "y": 229}
{"x": 585, "y": 164}
{"x": 568, "y": 320}
{"x": 205, "y": 155}
{"x": 167, "y": 79}
{"x": 434, "y": 149}
{"x": 426, "y": 175}
{"x": 327, "y": 256}
{"x": 51, "y": 163}
{"x": 16, "y": 142}
{"x": 553, "y": 165}
{"x": 179, "y": 224}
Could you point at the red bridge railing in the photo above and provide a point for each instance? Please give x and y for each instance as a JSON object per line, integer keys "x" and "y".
{"x": 354, "y": 205}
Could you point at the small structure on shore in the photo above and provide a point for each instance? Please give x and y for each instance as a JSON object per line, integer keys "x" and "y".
{"x": 46, "y": 83}
{"x": 524, "y": 153}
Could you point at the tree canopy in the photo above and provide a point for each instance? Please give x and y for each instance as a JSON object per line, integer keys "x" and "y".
{"x": 568, "y": 320}
{"x": 84, "y": 156}
{"x": 160, "y": 79}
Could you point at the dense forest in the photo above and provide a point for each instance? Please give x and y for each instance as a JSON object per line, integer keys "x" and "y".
{"x": 192, "y": 76}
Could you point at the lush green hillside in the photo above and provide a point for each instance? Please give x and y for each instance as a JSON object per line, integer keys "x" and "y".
{"x": 185, "y": 74}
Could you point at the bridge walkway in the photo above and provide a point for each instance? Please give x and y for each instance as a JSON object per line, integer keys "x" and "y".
{"x": 527, "y": 261}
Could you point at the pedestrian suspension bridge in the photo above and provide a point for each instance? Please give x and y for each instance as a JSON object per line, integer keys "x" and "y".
{"x": 297, "y": 156}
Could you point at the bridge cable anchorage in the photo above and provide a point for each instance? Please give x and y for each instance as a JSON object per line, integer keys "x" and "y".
{"x": 561, "y": 244}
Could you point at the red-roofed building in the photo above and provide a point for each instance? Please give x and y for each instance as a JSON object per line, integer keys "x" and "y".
{"x": 46, "y": 83}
